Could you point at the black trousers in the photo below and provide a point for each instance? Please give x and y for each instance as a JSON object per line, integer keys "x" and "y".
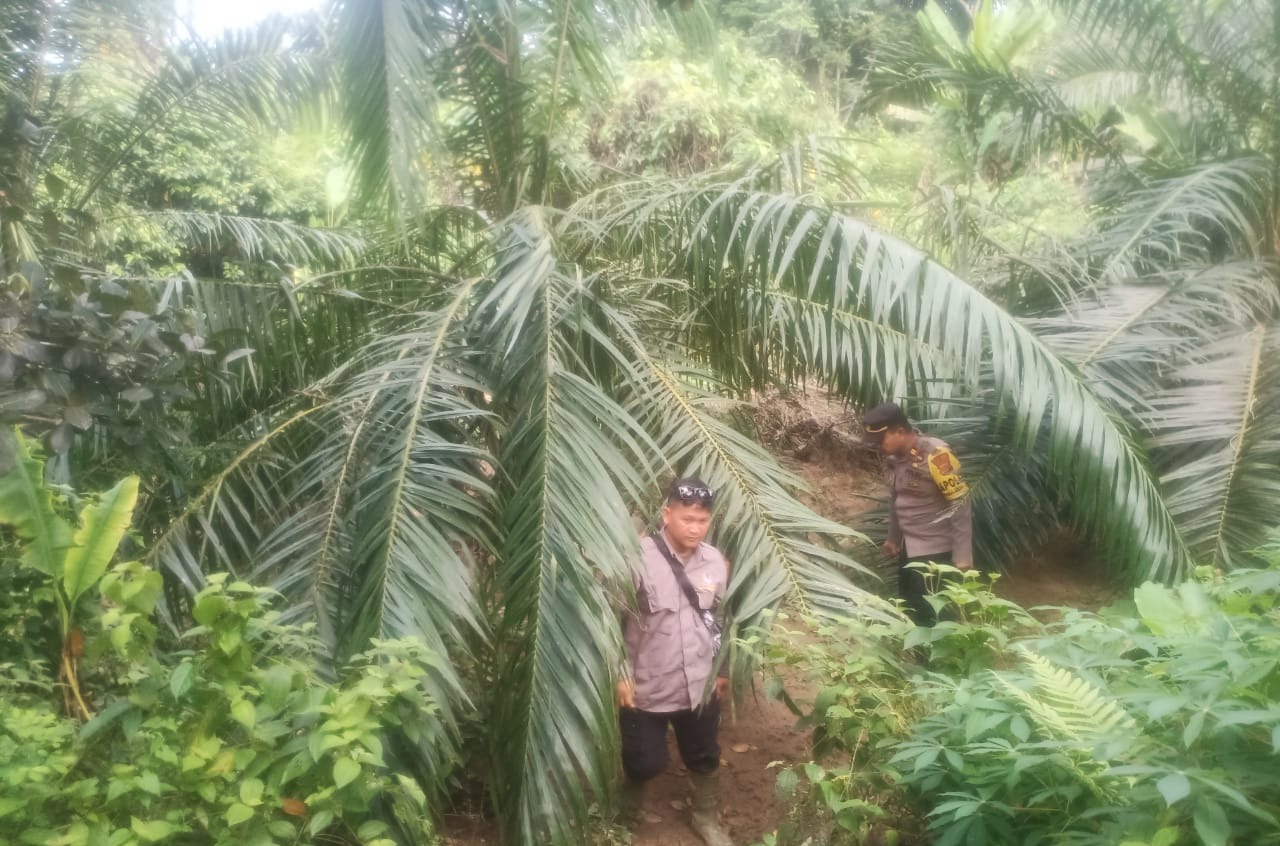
{"x": 913, "y": 587}
{"x": 644, "y": 739}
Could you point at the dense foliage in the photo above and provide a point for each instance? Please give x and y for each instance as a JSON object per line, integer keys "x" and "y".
{"x": 1165, "y": 301}
{"x": 577, "y": 236}
{"x": 228, "y": 735}
{"x": 1151, "y": 722}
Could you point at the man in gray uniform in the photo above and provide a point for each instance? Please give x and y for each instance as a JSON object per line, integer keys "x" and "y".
{"x": 930, "y": 516}
{"x": 671, "y": 647}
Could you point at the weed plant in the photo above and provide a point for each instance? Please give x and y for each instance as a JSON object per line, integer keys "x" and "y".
{"x": 1152, "y": 723}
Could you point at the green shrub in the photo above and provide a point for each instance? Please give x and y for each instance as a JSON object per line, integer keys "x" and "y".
{"x": 232, "y": 738}
{"x": 1154, "y": 722}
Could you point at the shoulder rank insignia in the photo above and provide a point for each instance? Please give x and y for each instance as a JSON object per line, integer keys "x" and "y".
{"x": 945, "y": 468}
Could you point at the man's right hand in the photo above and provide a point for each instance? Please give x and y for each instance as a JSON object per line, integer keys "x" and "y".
{"x": 625, "y": 693}
{"x": 891, "y": 549}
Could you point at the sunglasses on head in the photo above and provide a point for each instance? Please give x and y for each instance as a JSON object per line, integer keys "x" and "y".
{"x": 689, "y": 494}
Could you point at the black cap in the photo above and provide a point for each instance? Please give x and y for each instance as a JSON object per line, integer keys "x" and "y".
{"x": 881, "y": 419}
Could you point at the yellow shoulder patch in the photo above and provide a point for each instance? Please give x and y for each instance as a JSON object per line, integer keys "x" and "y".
{"x": 945, "y": 468}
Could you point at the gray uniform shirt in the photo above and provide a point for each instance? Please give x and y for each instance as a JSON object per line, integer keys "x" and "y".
{"x": 929, "y": 509}
{"x": 668, "y": 647}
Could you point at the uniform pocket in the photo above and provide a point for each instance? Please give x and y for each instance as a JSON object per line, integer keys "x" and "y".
{"x": 657, "y": 602}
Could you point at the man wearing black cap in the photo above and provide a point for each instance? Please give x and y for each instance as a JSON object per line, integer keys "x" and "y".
{"x": 930, "y": 517}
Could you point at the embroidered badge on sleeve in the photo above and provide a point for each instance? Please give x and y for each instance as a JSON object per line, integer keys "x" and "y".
{"x": 945, "y": 468}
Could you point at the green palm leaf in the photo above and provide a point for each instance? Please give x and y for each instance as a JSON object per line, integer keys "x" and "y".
{"x": 260, "y": 76}
{"x": 275, "y": 340}
{"x": 1214, "y": 50}
{"x": 736, "y": 239}
{"x": 1215, "y": 437}
{"x": 1092, "y": 72}
{"x": 387, "y": 94}
{"x": 216, "y": 529}
{"x": 859, "y": 358}
{"x": 568, "y": 473}
{"x": 1219, "y": 206}
{"x": 255, "y": 238}
{"x": 366, "y": 512}
{"x": 419, "y": 497}
{"x": 969, "y": 79}
{"x": 1127, "y": 336}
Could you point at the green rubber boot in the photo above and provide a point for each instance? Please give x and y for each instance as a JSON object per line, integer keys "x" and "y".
{"x": 706, "y": 808}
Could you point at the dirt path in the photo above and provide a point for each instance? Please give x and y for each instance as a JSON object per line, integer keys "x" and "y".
{"x": 761, "y": 733}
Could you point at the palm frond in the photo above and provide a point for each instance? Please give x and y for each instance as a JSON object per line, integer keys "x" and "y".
{"x": 859, "y": 358}
{"x": 443, "y": 239}
{"x": 1127, "y": 21}
{"x": 399, "y": 507}
{"x": 387, "y": 94}
{"x": 735, "y": 238}
{"x": 1210, "y": 54}
{"x": 1128, "y": 336}
{"x": 216, "y": 529}
{"x": 262, "y": 76}
{"x": 968, "y": 78}
{"x": 419, "y": 497}
{"x": 1216, "y": 209}
{"x": 569, "y": 471}
{"x": 492, "y": 136}
{"x": 1234, "y": 44}
{"x": 1093, "y": 72}
{"x": 255, "y": 237}
{"x": 365, "y": 511}
{"x": 275, "y": 342}
{"x": 1216, "y": 440}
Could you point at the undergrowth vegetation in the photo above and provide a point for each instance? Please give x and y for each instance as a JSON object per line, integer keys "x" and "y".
{"x": 227, "y": 735}
{"x": 1151, "y": 723}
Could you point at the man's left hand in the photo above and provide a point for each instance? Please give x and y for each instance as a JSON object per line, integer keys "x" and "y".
{"x": 964, "y": 565}
{"x": 722, "y": 688}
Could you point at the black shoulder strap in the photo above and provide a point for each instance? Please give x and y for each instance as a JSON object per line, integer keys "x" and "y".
{"x": 678, "y": 569}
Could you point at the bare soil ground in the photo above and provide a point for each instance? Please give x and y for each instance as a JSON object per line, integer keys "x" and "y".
{"x": 760, "y": 733}
{"x": 816, "y": 438}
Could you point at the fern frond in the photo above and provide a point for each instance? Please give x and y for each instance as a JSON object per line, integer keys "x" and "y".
{"x": 1076, "y": 716}
{"x": 1067, "y": 707}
